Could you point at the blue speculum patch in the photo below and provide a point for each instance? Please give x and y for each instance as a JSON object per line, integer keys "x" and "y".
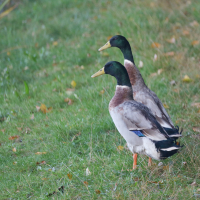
{"x": 138, "y": 133}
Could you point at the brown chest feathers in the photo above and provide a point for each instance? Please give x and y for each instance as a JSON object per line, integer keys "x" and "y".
{"x": 122, "y": 93}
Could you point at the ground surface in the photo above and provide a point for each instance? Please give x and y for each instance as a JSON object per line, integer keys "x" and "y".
{"x": 44, "y": 46}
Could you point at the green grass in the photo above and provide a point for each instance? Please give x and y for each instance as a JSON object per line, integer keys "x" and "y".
{"x": 83, "y": 135}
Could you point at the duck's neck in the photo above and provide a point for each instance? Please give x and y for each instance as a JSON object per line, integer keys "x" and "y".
{"x": 127, "y": 53}
{"x": 122, "y": 94}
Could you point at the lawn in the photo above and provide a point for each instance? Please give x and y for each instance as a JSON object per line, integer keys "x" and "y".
{"x": 54, "y": 118}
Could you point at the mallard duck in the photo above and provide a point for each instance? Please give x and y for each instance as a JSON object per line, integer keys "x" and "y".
{"x": 135, "y": 121}
{"x": 141, "y": 92}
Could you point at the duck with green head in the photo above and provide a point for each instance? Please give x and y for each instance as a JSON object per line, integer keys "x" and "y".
{"x": 141, "y": 92}
{"x": 135, "y": 122}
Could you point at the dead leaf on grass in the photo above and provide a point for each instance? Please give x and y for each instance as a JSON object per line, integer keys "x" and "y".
{"x": 196, "y": 129}
{"x": 120, "y": 148}
{"x": 37, "y": 108}
{"x": 194, "y": 23}
{"x": 193, "y": 184}
{"x": 165, "y": 105}
{"x": 87, "y": 171}
{"x": 14, "y": 149}
{"x": 3, "y": 130}
{"x": 195, "y": 42}
{"x": 155, "y": 45}
{"x": 186, "y": 32}
{"x": 86, "y": 183}
{"x": 14, "y": 163}
{"x": 19, "y": 128}
{"x": 197, "y": 104}
{"x": 186, "y": 79}
{"x": 140, "y": 64}
{"x": 55, "y": 43}
{"x": 69, "y": 101}
{"x": 41, "y": 163}
{"x": 155, "y": 57}
{"x": 171, "y": 53}
{"x": 102, "y": 92}
{"x": 73, "y": 84}
{"x": 69, "y": 176}
{"x": 13, "y": 137}
{"x": 98, "y": 191}
{"x": 40, "y": 153}
{"x": 171, "y": 40}
{"x": 32, "y": 117}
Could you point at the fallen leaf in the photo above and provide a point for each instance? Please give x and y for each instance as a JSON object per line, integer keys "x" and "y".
{"x": 14, "y": 163}
{"x": 166, "y": 167}
{"x": 68, "y": 100}
{"x": 41, "y": 163}
{"x": 165, "y": 105}
{"x": 193, "y": 184}
{"x": 184, "y": 163}
{"x": 43, "y": 108}
{"x": 40, "y": 153}
{"x": 73, "y": 84}
{"x": 98, "y": 191}
{"x": 13, "y": 137}
{"x": 14, "y": 149}
{"x": 186, "y": 79}
{"x": 49, "y": 109}
{"x": 102, "y": 92}
{"x": 37, "y": 108}
{"x": 194, "y": 23}
{"x": 197, "y": 105}
{"x": 160, "y": 164}
{"x": 155, "y": 57}
{"x": 105, "y": 54}
{"x": 87, "y": 171}
{"x": 26, "y": 68}
{"x": 195, "y": 42}
{"x": 44, "y": 179}
{"x": 32, "y": 117}
{"x": 155, "y": 45}
{"x": 8, "y": 53}
{"x": 196, "y": 129}
{"x": 153, "y": 74}
{"x": 186, "y": 32}
{"x": 159, "y": 71}
{"x": 171, "y": 40}
{"x": 140, "y": 64}
{"x": 86, "y": 183}
{"x": 69, "y": 176}
{"x": 171, "y": 53}
{"x": 3, "y": 130}
{"x": 70, "y": 91}
{"x": 55, "y": 43}
{"x": 19, "y": 128}
{"x": 120, "y": 148}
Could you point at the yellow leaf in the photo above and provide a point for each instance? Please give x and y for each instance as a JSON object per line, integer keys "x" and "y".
{"x": 55, "y": 43}
{"x": 105, "y": 54}
{"x": 69, "y": 176}
{"x": 102, "y": 92}
{"x": 14, "y": 149}
{"x": 186, "y": 79}
{"x": 73, "y": 84}
{"x": 166, "y": 167}
{"x": 165, "y": 105}
{"x": 171, "y": 40}
{"x": 40, "y": 153}
{"x": 155, "y": 45}
{"x": 195, "y": 42}
{"x": 43, "y": 108}
{"x": 44, "y": 179}
{"x": 120, "y": 148}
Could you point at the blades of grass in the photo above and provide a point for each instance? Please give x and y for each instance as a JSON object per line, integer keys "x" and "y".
{"x": 26, "y": 88}
{"x": 3, "y": 4}
{"x": 6, "y": 12}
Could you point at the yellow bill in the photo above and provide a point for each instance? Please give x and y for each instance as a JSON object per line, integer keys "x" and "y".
{"x": 99, "y": 73}
{"x": 107, "y": 45}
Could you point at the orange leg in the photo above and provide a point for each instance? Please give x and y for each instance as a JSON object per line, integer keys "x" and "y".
{"x": 134, "y": 160}
{"x": 150, "y": 162}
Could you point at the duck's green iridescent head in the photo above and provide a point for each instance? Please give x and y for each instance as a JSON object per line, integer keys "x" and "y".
{"x": 117, "y": 70}
{"x": 122, "y": 43}
{"x": 116, "y": 41}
